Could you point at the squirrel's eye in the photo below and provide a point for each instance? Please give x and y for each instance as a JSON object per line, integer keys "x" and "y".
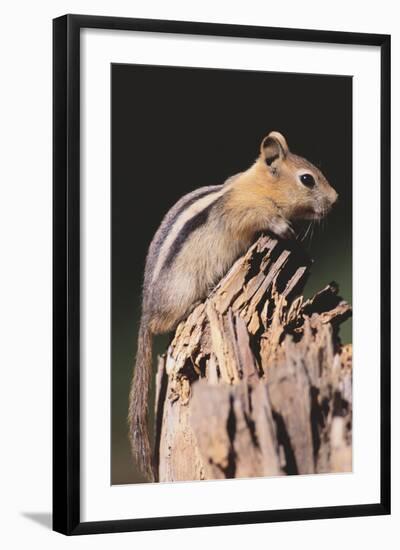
{"x": 307, "y": 180}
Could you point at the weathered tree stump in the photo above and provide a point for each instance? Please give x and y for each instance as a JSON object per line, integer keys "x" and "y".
{"x": 256, "y": 381}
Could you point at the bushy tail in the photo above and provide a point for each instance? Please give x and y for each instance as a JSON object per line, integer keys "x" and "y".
{"x": 138, "y": 403}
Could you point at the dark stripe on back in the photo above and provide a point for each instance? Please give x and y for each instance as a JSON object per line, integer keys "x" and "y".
{"x": 190, "y": 226}
{"x": 182, "y": 208}
{"x": 194, "y": 199}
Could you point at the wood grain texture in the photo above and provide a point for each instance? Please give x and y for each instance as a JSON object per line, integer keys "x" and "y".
{"x": 256, "y": 381}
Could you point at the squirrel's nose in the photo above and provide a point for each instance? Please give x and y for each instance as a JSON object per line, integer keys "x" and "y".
{"x": 334, "y": 197}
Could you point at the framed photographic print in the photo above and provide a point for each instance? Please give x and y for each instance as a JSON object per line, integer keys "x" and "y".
{"x": 221, "y": 274}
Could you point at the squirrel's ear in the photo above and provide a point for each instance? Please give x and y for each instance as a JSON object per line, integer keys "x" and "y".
{"x": 274, "y": 148}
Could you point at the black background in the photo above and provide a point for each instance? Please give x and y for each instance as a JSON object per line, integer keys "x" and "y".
{"x": 176, "y": 129}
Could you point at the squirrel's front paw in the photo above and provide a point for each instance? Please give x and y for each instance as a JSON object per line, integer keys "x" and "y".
{"x": 282, "y": 228}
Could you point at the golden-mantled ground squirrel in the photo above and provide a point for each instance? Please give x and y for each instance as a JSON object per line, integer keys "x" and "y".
{"x": 198, "y": 241}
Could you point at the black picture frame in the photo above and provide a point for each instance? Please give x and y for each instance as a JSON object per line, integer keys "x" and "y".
{"x": 66, "y": 273}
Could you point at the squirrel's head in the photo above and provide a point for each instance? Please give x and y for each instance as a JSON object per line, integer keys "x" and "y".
{"x": 298, "y": 187}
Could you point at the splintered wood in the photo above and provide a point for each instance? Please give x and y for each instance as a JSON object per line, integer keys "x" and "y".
{"x": 256, "y": 381}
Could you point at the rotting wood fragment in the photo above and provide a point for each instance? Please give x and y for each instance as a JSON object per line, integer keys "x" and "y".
{"x": 256, "y": 381}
